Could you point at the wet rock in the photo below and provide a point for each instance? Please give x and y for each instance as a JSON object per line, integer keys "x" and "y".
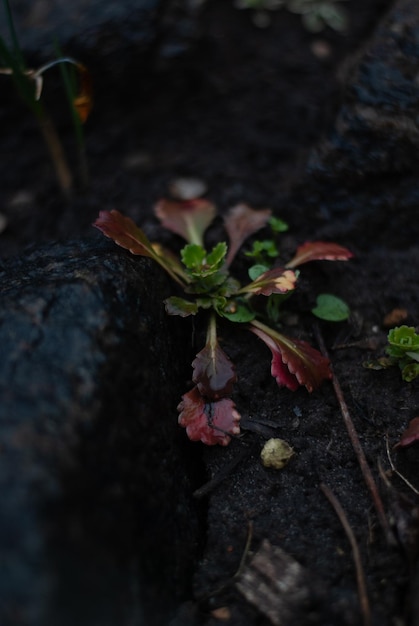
{"x": 377, "y": 128}
{"x": 97, "y": 527}
{"x": 113, "y": 31}
{"x": 363, "y": 173}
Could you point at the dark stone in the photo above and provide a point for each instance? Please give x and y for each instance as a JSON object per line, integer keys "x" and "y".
{"x": 377, "y": 128}
{"x": 364, "y": 174}
{"x": 97, "y": 527}
{"x": 111, "y": 31}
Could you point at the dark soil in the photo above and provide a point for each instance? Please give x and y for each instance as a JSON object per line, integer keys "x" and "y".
{"x": 242, "y": 112}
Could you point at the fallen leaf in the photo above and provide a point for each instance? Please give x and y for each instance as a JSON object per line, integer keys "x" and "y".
{"x": 395, "y": 317}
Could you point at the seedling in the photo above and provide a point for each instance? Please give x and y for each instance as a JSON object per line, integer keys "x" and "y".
{"x": 207, "y": 411}
{"x": 265, "y": 253}
{"x": 402, "y": 350}
{"x": 29, "y": 83}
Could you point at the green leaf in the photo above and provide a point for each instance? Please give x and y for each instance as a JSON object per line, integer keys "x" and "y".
{"x": 331, "y": 308}
{"x": 193, "y": 256}
{"x": 216, "y": 257}
{"x": 278, "y": 225}
{"x": 218, "y": 303}
{"x": 238, "y": 312}
{"x": 179, "y": 306}
{"x": 257, "y": 270}
{"x": 267, "y": 246}
{"x": 410, "y": 372}
{"x": 202, "y": 265}
{"x": 402, "y": 339}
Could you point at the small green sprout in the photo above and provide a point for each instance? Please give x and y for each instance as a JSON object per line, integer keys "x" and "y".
{"x": 266, "y": 253}
{"x": 402, "y": 351}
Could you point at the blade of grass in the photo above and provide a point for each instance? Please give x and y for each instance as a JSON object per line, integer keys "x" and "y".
{"x": 70, "y": 88}
{"x": 24, "y": 82}
{"x": 17, "y": 52}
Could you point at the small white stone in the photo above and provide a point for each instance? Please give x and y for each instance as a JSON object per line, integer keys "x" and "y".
{"x": 187, "y": 188}
{"x": 276, "y": 453}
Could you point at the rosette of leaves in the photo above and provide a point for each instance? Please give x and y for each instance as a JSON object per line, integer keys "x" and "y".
{"x": 402, "y": 350}
{"x": 209, "y": 289}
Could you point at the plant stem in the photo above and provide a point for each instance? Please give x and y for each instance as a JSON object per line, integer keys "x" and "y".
{"x": 212, "y": 332}
{"x": 56, "y": 151}
{"x": 11, "y": 26}
{"x": 70, "y": 91}
{"x": 193, "y": 234}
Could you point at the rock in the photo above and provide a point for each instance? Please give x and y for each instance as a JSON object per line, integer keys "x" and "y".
{"x": 114, "y": 31}
{"x": 377, "y": 128}
{"x": 363, "y": 173}
{"x": 97, "y": 527}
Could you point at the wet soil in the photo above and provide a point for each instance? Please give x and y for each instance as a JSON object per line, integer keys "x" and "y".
{"x": 242, "y": 112}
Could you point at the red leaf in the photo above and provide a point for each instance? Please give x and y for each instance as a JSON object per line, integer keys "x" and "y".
{"x": 410, "y": 435}
{"x": 241, "y": 222}
{"x": 124, "y": 232}
{"x": 187, "y": 218}
{"x": 276, "y": 280}
{"x": 294, "y": 362}
{"x": 319, "y": 251}
{"x": 209, "y": 422}
{"x": 127, "y": 235}
{"x": 213, "y": 372}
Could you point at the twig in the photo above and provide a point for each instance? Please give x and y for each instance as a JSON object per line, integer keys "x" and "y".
{"x": 360, "y": 576}
{"x": 246, "y": 550}
{"x": 403, "y": 478}
{"x": 239, "y": 571}
{"x": 356, "y": 444}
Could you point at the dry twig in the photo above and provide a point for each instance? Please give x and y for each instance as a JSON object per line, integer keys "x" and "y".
{"x": 360, "y": 576}
{"x": 360, "y": 454}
